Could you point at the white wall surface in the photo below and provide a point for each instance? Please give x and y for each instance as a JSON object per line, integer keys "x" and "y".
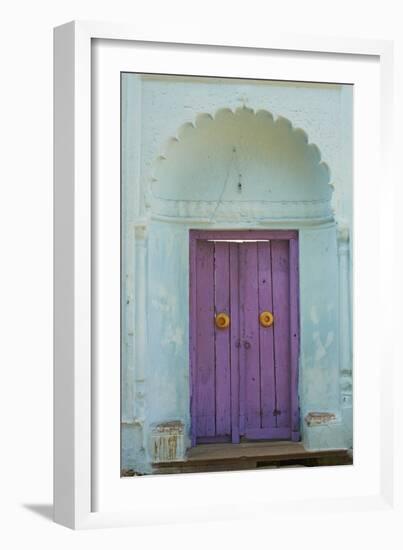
{"x": 26, "y": 275}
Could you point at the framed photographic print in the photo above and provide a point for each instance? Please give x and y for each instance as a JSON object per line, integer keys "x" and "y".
{"x": 243, "y": 269}
{"x": 218, "y": 217}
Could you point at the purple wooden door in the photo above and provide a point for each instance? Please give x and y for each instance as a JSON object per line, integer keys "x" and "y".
{"x": 244, "y": 375}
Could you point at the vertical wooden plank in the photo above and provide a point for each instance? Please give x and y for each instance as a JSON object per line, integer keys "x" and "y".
{"x": 267, "y": 376}
{"x": 222, "y": 341}
{"x": 205, "y": 375}
{"x": 241, "y": 352}
{"x": 235, "y": 339}
{"x": 294, "y": 332}
{"x": 250, "y": 334}
{"x": 281, "y": 310}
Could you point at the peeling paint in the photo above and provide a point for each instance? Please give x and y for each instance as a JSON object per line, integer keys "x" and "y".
{"x": 322, "y": 348}
{"x": 174, "y": 336}
{"x": 319, "y": 418}
{"x": 164, "y": 300}
{"x": 314, "y": 315}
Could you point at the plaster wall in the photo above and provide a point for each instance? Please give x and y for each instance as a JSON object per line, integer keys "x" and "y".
{"x": 155, "y": 358}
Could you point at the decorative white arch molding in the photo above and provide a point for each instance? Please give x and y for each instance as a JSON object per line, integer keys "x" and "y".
{"x": 240, "y": 165}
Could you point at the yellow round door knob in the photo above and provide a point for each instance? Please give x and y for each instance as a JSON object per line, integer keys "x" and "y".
{"x": 266, "y": 318}
{"x": 222, "y": 320}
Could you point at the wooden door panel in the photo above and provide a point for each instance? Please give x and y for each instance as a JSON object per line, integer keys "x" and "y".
{"x": 281, "y": 329}
{"x": 205, "y": 367}
{"x": 267, "y": 374}
{"x": 222, "y": 340}
{"x": 235, "y": 342}
{"x": 250, "y": 335}
{"x": 243, "y": 383}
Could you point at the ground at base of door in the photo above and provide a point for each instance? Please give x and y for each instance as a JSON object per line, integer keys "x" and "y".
{"x": 219, "y": 457}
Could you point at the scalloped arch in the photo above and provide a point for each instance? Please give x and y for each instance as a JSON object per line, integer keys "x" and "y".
{"x": 240, "y": 155}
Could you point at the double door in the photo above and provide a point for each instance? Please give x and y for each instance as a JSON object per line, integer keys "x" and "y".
{"x": 244, "y": 335}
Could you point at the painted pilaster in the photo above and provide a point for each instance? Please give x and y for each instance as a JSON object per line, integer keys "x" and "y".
{"x": 345, "y": 352}
{"x": 134, "y": 448}
{"x": 134, "y": 253}
{"x": 131, "y": 170}
{"x": 141, "y": 315}
{"x": 127, "y": 312}
{"x": 321, "y": 419}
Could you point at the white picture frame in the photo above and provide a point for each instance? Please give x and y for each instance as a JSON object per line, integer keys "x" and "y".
{"x": 88, "y": 491}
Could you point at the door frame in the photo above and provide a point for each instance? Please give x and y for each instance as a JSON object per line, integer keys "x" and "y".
{"x": 245, "y": 234}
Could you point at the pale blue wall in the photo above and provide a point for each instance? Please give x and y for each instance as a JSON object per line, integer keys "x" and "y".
{"x": 155, "y": 267}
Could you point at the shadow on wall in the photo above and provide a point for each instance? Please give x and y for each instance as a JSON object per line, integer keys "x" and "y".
{"x": 242, "y": 156}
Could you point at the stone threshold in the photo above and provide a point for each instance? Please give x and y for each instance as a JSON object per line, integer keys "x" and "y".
{"x": 253, "y": 455}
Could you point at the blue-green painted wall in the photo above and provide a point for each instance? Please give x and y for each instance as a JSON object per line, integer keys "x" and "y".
{"x": 160, "y": 208}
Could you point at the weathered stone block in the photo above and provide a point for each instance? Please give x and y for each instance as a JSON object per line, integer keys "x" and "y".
{"x": 167, "y": 442}
{"x": 323, "y": 430}
{"x": 319, "y": 418}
